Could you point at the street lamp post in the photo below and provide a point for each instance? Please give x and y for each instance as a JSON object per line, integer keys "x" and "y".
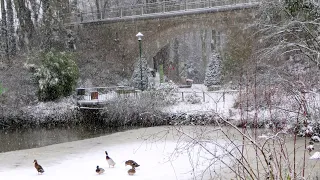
{"x": 139, "y": 35}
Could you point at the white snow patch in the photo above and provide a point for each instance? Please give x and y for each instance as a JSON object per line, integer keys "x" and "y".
{"x": 315, "y": 156}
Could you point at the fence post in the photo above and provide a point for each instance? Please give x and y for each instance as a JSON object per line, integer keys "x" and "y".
{"x": 81, "y": 16}
{"x": 204, "y": 97}
{"x": 209, "y": 3}
{"x": 182, "y": 96}
{"x": 163, "y": 6}
{"x": 141, "y": 10}
{"x": 121, "y": 12}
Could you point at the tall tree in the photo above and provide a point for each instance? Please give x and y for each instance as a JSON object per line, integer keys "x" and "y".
{"x": 52, "y": 28}
{"x": 35, "y": 7}
{"x": 47, "y": 29}
{"x": 290, "y": 27}
{"x": 4, "y": 30}
{"x": 11, "y": 32}
{"x": 26, "y": 26}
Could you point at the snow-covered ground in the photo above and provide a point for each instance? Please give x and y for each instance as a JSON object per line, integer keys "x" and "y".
{"x": 160, "y": 158}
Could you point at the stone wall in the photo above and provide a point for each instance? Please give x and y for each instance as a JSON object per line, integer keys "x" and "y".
{"x": 108, "y": 49}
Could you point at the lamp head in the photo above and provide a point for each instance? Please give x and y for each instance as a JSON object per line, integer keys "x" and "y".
{"x": 139, "y": 35}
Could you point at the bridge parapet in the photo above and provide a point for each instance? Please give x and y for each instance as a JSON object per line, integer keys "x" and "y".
{"x": 149, "y": 9}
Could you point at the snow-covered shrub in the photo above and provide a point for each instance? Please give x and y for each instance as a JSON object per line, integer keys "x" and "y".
{"x": 167, "y": 92}
{"x": 142, "y": 109}
{"x": 168, "y": 87}
{"x": 213, "y": 72}
{"x": 214, "y": 88}
{"x": 124, "y": 82}
{"x": 193, "y": 98}
{"x": 57, "y": 75}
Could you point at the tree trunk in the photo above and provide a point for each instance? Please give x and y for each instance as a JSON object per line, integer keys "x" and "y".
{"x": 35, "y": 10}
{"x": 25, "y": 22}
{"x": 47, "y": 16}
{"x": 11, "y": 32}
{"x": 4, "y": 30}
{"x": 98, "y": 9}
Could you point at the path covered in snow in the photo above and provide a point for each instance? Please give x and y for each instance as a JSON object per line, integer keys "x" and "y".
{"x": 159, "y": 151}
{"x": 210, "y": 101}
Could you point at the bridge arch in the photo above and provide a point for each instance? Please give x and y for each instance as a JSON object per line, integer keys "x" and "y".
{"x": 115, "y": 46}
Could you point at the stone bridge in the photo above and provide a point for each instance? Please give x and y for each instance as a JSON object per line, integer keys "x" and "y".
{"x": 182, "y": 42}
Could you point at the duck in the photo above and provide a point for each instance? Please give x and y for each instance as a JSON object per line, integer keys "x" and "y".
{"x": 132, "y": 171}
{"x": 132, "y": 163}
{"x": 38, "y": 167}
{"x": 99, "y": 170}
{"x": 109, "y": 160}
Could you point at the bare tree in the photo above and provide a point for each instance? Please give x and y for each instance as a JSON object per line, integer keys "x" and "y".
{"x": 4, "y": 30}
{"x": 26, "y": 26}
{"x": 35, "y": 7}
{"x": 47, "y": 24}
{"x": 290, "y": 30}
{"x": 11, "y": 32}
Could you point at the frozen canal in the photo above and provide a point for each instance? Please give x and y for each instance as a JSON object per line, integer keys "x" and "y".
{"x": 161, "y": 152}
{"x": 38, "y": 137}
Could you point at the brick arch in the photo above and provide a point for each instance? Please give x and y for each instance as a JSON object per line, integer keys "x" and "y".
{"x": 114, "y": 45}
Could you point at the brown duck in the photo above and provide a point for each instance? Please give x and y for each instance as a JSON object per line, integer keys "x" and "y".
{"x": 99, "y": 170}
{"x": 38, "y": 167}
{"x": 132, "y": 163}
{"x": 132, "y": 171}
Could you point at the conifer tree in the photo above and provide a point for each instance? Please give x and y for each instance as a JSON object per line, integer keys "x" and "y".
{"x": 213, "y": 72}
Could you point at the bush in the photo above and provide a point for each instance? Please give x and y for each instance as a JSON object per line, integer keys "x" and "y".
{"x": 56, "y": 76}
{"x": 166, "y": 93}
{"x": 193, "y": 98}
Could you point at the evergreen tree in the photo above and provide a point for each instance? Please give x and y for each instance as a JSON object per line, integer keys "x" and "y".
{"x": 57, "y": 75}
{"x": 136, "y": 76}
{"x": 213, "y": 72}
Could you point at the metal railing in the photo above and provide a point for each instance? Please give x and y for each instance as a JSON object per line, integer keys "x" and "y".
{"x": 103, "y": 93}
{"x": 149, "y": 8}
{"x": 100, "y": 96}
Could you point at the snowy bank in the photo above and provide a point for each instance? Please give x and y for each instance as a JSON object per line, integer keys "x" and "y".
{"x": 161, "y": 152}
{"x": 46, "y": 114}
